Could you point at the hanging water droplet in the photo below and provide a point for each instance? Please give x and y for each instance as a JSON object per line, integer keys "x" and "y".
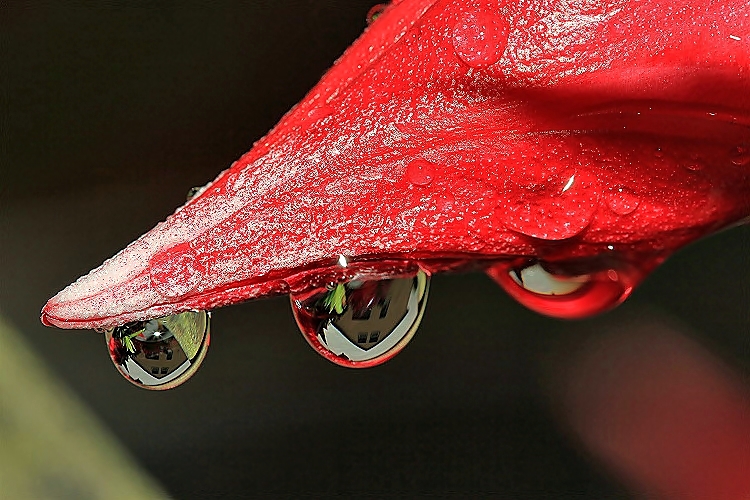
{"x": 160, "y": 353}
{"x": 569, "y": 290}
{"x": 374, "y": 13}
{"x": 362, "y": 323}
{"x": 192, "y": 192}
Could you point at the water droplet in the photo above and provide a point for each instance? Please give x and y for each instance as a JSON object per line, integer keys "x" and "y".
{"x": 193, "y": 192}
{"x": 374, "y": 13}
{"x": 160, "y": 353}
{"x": 362, "y": 323}
{"x": 659, "y": 153}
{"x": 622, "y": 200}
{"x": 567, "y": 290}
{"x": 480, "y": 37}
{"x": 420, "y": 172}
{"x": 740, "y": 156}
{"x": 318, "y": 113}
{"x": 445, "y": 202}
{"x": 694, "y": 165}
{"x": 558, "y": 209}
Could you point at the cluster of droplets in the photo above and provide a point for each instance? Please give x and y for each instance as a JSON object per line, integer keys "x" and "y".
{"x": 365, "y": 321}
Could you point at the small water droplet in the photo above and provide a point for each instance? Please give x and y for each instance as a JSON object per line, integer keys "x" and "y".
{"x": 362, "y": 323}
{"x": 659, "y": 153}
{"x": 445, "y": 202}
{"x": 480, "y": 37}
{"x": 622, "y": 200}
{"x": 567, "y": 290}
{"x": 420, "y": 172}
{"x": 374, "y": 13}
{"x": 193, "y": 192}
{"x": 740, "y": 156}
{"x": 160, "y": 353}
{"x": 317, "y": 114}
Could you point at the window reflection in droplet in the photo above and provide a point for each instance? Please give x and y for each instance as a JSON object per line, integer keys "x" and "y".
{"x": 567, "y": 290}
{"x": 161, "y": 353}
{"x": 362, "y": 323}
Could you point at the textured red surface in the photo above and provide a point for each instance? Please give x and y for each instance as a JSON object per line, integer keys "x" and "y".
{"x": 459, "y": 131}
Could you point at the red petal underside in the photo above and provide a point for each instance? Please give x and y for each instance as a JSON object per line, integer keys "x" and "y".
{"x": 465, "y": 130}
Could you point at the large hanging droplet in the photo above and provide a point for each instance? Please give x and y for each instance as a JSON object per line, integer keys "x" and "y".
{"x": 160, "y": 353}
{"x": 362, "y": 323}
{"x": 375, "y": 12}
{"x": 567, "y": 290}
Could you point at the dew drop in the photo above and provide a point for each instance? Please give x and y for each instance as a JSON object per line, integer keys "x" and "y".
{"x": 317, "y": 114}
{"x": 160, "y": 353}
{"x": 560, "y": 208}
{"x": 362, "y": 323}
{"x": 420, "y": 172}
{"x": 693, "y": 166}
{"x": 480, "y": 37}
{"x": 569, "y": 290}
{"x": 374, "y": 13}
{"x": 740, "y": 156}
{"x": 193, "y": 192}
{"x": 622, "y": 200}
{"x": 445, "y": 202}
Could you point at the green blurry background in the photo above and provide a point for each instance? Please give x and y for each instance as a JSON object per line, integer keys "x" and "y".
{"x": 111, "y": 112}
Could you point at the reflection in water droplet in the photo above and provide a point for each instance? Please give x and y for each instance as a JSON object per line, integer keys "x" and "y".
{"x": 622, "y": 200}
{"x": 362, "y": 323}
{"x": 160, "y": 353}
{"x": 420, "y": 172}
{"x": 480, "y": 37}
{"x": 374, "y": 13}
{"x": 570, "y": 290}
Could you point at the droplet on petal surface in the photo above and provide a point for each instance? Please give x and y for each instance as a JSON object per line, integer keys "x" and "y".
{"x": 480, "y": 37}
{"x": 622, "y": 200}
{"x": 557, "y": 209}
{"x": 362, "y": 323}
{"x": 567, "y": 290}
{"x": 160, "y": 353}
{"x": 740, "y": 156}
{"x": 420, "y": 172}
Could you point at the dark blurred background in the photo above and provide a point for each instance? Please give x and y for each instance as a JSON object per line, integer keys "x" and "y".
{"x": 112, "y": 111}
